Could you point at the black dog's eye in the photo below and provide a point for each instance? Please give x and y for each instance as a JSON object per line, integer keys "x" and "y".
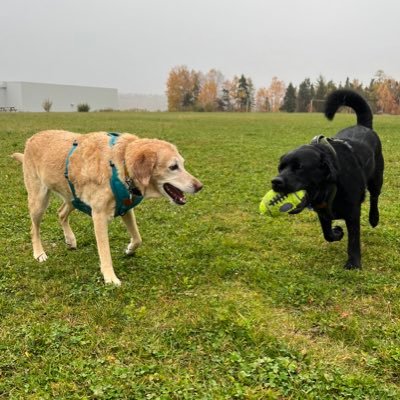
{"x": 296, "y": 166}
{"x": 174, "y": 167}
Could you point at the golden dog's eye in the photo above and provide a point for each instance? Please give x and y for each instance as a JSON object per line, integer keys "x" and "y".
{"x": 174, "y": 167}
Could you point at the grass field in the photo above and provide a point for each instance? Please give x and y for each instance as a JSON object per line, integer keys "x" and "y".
{"x": 218, "y": 303}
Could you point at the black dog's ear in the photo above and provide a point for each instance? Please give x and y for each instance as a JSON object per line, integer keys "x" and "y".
{"x": 330, "y": 164}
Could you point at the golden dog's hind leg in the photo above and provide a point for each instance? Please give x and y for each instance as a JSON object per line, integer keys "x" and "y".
{"x": 38, "y": 200}
{"x": 63, "y": 214}
{"x": 100, "y": 223}
{"x": 136, "y": 240}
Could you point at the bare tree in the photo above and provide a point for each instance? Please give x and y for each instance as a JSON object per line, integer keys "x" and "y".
{"x": 47, "y": 104}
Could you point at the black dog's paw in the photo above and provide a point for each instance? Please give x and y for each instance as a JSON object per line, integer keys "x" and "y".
{"x": 352, "y": 265}
{"x": 374, "y": 218}
{"x": 337, "y": 233}
{"x": 334, "y": 235}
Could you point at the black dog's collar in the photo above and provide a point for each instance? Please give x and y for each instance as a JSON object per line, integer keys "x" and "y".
{"x": 321, "y": 139}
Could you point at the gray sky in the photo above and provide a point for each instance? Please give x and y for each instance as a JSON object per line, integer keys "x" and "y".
{"x": 132, "y": 44}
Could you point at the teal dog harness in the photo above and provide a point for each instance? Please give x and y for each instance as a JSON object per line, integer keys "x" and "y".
{"x": 125, "y": 197}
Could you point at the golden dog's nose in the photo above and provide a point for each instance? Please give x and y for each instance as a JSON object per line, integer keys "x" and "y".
{"x": 197, "y": 185}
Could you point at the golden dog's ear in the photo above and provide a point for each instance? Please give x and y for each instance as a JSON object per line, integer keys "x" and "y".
{"x": 143, "y": 166}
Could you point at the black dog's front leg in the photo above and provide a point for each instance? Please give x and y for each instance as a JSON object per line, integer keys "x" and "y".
{"x": 330, "y": 235}
{"x": 354, "y": 248}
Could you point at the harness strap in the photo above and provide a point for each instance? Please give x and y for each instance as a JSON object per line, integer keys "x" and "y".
{"x": 125, "y": 198}
{"x": 76, "y": 202}
{"x": 73, "y": 148}
{"x": 321, "y": 139}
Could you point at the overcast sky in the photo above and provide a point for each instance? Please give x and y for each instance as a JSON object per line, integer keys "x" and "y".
{"x": 131, "y": 45}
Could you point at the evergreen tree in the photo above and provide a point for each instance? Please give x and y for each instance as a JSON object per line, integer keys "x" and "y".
{"x": 312, "y": 91}
{"x": 371, "y": 96}
{"x": 320, "y": 95}
{"x": 250, "y": 93}
{"x": 304, "y": 95}
{"x": 330, "y": 86}
{"x": 187, "y": 101}
{"x": 318, "y": 100}
{"x": 289, "y": 101}
{"x": 224, "y": 102}
{"x": 195, "y": 88}
{"x": 321, "y": 88}
{"x": 243, "y": 94}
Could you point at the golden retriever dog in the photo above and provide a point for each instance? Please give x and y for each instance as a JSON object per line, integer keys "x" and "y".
{"x": 82, "y": 169}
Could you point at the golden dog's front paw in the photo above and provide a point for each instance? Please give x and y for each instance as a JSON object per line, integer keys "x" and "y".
{"x": 71, "y": 243}
{"x": 41, "y": 257}
{"x": 130, "y": 249}
{"x": 112, "y": 280}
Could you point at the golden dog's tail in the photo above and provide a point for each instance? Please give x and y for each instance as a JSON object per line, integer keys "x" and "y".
{"x": 18, "y": 156}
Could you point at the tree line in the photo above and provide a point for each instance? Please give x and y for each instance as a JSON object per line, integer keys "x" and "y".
{"x": 190, "y": 90}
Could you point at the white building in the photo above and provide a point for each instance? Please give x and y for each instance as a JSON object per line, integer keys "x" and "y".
{"x": 29, "y": 96}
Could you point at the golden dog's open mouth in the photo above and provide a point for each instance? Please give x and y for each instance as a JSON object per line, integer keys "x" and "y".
{"x": 175, "y": 194}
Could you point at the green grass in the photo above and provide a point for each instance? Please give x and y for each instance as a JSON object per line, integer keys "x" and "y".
{"x": 218, "y": 303}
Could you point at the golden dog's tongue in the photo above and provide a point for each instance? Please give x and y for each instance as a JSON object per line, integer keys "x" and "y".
{"x": 176, "y": 194}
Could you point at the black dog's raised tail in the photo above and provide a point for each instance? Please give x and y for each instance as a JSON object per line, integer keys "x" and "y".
{"x": 344, "y": 97}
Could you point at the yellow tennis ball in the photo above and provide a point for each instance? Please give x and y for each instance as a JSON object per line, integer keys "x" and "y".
{"x": 274, "y": 204}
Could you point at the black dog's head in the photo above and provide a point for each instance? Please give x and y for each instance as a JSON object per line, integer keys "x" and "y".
{"x": 309, "y": 167}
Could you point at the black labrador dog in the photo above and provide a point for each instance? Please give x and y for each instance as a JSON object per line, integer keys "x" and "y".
{"x": 336, "y": 172}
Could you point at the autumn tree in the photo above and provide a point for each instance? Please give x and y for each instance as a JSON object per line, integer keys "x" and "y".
{"x": 207, "y": 100}
{"x": 191, "y": 90}
{"x": 183, "y": 88}
{"x": 387, "y": 93}
{"x": 217, "y": 77}
{"x": 262, "y": 100}
{"x": 276, "y": 93}
{"x": 210, "y": 91}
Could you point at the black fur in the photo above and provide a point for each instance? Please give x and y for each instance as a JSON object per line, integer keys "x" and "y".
{"x": 337, "y": 176}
